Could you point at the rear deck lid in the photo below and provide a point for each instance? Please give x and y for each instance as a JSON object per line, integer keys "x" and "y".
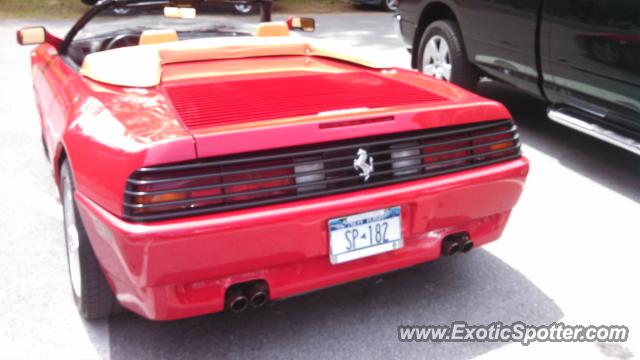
{"x": 221, "y": 103}
{"x": 245, "y": 105}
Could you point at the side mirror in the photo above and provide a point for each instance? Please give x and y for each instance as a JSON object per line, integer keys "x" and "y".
{"x": 300, "y": 23}
{"x": 31, "y": 35}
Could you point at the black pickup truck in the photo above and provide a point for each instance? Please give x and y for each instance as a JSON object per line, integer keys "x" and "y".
{"x": 582, "y": 56}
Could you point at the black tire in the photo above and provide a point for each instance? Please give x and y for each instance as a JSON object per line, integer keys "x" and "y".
{"x": 44, "y": 147}
{"x": 463, "y": 73}
{"x": 389, "y": 5}
{"x": 94, "y": 300}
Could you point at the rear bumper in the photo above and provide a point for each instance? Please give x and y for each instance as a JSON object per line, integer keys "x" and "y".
{"x": 181, "y": 268}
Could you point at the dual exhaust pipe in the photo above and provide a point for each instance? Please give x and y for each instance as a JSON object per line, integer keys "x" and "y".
{"x": 256, "y": 294}
{"x": 460, "y": 242}
{"x": 242, "y": 296}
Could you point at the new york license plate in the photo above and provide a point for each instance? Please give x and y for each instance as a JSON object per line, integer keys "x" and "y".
{"x": 366, "y": 234}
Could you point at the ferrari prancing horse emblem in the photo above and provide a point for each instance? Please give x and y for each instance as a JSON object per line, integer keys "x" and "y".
{"x": 363, "y": 163}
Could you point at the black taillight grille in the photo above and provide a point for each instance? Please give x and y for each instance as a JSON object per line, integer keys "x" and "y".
{"x": 264, "y": 178}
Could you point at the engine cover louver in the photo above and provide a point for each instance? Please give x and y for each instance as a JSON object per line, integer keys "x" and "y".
{"x": 218, "y": 103}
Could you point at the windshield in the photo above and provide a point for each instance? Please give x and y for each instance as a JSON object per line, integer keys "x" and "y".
{"x": 209, "y": 21}
{"x": 123, "y": 23}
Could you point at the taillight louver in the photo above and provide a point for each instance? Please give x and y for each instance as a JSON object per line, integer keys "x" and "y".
{"x": 289, "y": 174}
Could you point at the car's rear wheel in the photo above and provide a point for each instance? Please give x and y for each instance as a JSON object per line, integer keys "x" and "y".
{"x": 443, "y": 56}
{"x": 91, "y": 293}
{"x": 390, "y": 5}
{"x": 44, "y": 146}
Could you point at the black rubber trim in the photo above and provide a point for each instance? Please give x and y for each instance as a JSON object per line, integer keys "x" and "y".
{"x": 326, "y": 153}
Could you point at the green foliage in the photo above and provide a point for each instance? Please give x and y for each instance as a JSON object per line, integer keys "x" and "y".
{"x": 41, "y": 8}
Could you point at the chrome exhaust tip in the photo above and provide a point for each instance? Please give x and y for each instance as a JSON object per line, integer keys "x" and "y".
{"x": 236, "y": 301}
{"x": 241, "y": 296}
{"x": 466, "y": 246}
{"x": 258, "y": 294}
{"x": 458, "y": 242}
{"x": 259, "y": 299}
{"x": 449, "y": 247}
{"x": 239, "y": 304}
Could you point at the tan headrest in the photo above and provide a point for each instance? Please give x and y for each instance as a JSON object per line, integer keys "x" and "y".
{"x": 158, "y": 36}
{"x": 277, "y": 28}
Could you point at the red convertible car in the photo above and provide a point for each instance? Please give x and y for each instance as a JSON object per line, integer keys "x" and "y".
{"x": 203, "y": 168}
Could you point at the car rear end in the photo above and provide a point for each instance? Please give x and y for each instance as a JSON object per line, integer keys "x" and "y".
{"x": 304, "y": 180}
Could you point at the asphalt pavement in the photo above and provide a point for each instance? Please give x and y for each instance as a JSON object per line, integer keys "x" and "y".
{"x": 570, "y": 253}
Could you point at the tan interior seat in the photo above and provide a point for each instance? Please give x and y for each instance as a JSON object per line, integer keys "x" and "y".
{"x": 158, "y": 36}
{"x": 276, "y": 28}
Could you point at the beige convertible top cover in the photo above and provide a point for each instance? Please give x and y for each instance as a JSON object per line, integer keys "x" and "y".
{"x": 141, "y": 66}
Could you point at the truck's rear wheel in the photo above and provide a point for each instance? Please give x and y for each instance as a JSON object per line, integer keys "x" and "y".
{"x": 443, "y": 56}
{"x": 91, "y": 293}
{"x": 390, "y": 5}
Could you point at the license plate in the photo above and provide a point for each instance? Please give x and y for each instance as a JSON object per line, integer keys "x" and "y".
{"x": 361, "y": 235}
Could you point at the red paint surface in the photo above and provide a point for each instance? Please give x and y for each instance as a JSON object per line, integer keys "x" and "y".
{"x": 239, "y": 101}
{"x": 179, "y": 268}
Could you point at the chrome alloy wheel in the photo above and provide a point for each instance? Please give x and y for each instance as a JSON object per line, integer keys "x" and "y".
{"x": 121, "y": 11}
{"x": 392, "y": 4}
{"x": 436, "y": 60}
{"x": 243, "y": 8}
{"x": 72, "y": 237}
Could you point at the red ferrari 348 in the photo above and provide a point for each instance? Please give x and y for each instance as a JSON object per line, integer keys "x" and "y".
{"x": 203, "y": 168}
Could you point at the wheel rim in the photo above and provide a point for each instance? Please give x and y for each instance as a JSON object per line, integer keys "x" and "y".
{"x": 436, "y": 60}
{"x": 121, "y": 11}
{"x": 392, "y": 4}
{"x": 72, "y": 238}
{"x": 243, "y": 8}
